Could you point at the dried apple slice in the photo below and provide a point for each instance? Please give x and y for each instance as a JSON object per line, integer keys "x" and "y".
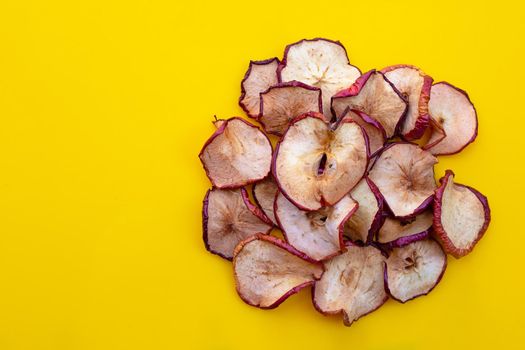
{"x": 264, "y": 193}
{"x": 314, "y": 165}
{"x": 374, "y": 130}
{"x": 375, "y": 96}
{"x": 353, "y": 283}
{"x": 228, "y": 217}
{"x": 267, "y": 271}
{"x": 362, "y": 226}
{"x": 404, "y": 174}
{"x": 414, "y": 86}
{"x": 319, "y": 233}
{"x": 258, "y": 78}
{"x": 281, "y": 103}
{"x": 398, "y": 233}
{"x": 321, "y": 63}
{"x": 461, "y": 216}
{"x": 414, "y": 270}
{"x": 237, "y": 154}
{"x": 454, "y": 119}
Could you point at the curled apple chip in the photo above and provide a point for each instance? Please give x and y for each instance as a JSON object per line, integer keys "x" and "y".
{"x": 258, "y": 78}
{"x": 228, "y": 217}
{"x": 281, "y": 103}
{"x": 365, "y": 222}
{"x": 414, "y": 270}
{"x": 454, "y": 120}
{"x": 264, "y": 193}
{"x": 319, "y": 233}
{"x": 374, "y": 130}
{"x": 237, "y": 154}
{"x": 353, "y": 283}
{"x": 414, "y": 86}
{"x": 267, "y": 271}
{"x": 398, "y": 233}
{"x": 375, "y": 96}
{"x": 321, "y": 63}
{"x": 315, "y": 165}
{"x": 461, "y": 216}
{"x": 404, "y": 174}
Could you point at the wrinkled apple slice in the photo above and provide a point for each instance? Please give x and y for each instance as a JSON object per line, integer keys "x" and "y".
{"x": 238, "y": 153}
{"x": 267, "y": 271}
{"x": 374, "y": 130}
{"x": 353, "y": 283}
{"x": 319, "y": 233}
{"x": 414, "y": 86}
{"x": 258, "y": 78}
{"x": 414, "y": 270}
{"x": 264, "y": 193}
{"x": 404, "y": 174}
{"x": 368, "y": 218}
{"x": 375, "y": 96}
{"x": 281, "y": 103}
{"x": 321, "y": 63}
{"x": 461, "y": 216}
{"x": 315, "y": 166}
{"x": 454, "y": 119}
{"x": 228, "y": 217}
{"x": 397, "y": 233}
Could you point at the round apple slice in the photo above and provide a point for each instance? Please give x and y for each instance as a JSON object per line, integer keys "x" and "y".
{"x": 321, "y": 63}
{"x": 398, "y": 233}
{"x": 281, "y": 103}
{"x": 352, "y": 284}
{"x": 362, "y": 226}
{"x": 414, "y": 270}
{"x": 267, "y": 271}
{"x": 258, "y": 78}
{"x": 454, "y": 119}
{"x": 264, "y": 193}
{"x": 374, "y": 95}
{"x": 314, "y": 165}
{"x": 319, "y": 233}
{"x": 237, "y": 154}
{"x": 461, "y": 216}
{"x": 404, "y": 174}
{"x": 228, "y": 217}
{"x": 414, "y": 86}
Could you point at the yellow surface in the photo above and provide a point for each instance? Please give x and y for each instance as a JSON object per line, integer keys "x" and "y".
{"x": 104, "y": 107}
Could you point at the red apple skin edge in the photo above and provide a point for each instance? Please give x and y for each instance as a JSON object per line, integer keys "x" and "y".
{"x": 379, "y": 219}
{"x": 255, "y": 211}
{"x": 387, "y": 290}
{"x": 439, "y": 231}
{"x": 267, "y": 219}
{"x": 243, "y": 91}
{"x": 403, "y": 241}
{"x": 473, "y": 138}
{"x": 218, "y": 132}
{"x": 276, "y": 241}
{"x": 369, "y": 120}
{"x": 283, "y": 62}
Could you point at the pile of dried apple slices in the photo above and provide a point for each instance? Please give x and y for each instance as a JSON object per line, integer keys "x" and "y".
{"x": 350, "y": 183}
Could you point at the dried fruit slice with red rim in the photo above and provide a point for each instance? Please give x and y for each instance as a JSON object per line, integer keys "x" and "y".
{"x": 228, "y": 217}
{"x": 415, "y": 86}
{"x": 314, "y": 165}
{"x": 319, "y": 233}
{"x": 375, "y": 96}
{"x": 374, "y": 130}
{"x": 267, "y": 271}
{"x": 461, "y": 216}
{"x": 258, "y": 78}
{"x": 454, "y": 119}
{"x": 398, "y": 233}
{"x": 321, "y": 63}
{"x": 353, "y": 283}
{"x": 237, "y": 154}
{"x": 264, "y": 193}
{"x": 404, "y": 174}
{"x": 281, "y": 103}
{"x": 369, "y": 215}
{"x": 414, "y": 270}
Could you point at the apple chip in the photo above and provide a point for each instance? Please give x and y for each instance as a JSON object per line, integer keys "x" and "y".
{"x": 258, "y": 78}
{"x": 398, "y": 233}
{"x": 264, "y": 193}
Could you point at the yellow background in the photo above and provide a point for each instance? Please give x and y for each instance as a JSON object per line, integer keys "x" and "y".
{"x": 104, "y": 107}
